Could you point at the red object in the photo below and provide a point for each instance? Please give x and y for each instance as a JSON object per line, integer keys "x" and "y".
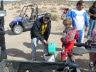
{"x": 64, "y": 11}
{"x": 68, "y": 41}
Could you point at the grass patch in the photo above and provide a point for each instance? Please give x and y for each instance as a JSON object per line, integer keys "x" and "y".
{"x": 53, "y": 9}
{"x": 55, "y": 17}
{"x": 18, "y": 11}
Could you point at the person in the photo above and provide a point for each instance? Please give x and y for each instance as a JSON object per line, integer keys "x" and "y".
{"x": 92, "y": 13}
{"x": 40, "y": 31}
{"x": 64, "y": 15}
{"x": 69, "y": 34}
{"x": 79, "y": 19}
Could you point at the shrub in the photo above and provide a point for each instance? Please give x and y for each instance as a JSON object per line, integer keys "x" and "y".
{"x": 18, "y": 11}
{"x": 52, "y": 9}
{"x": 54, "y": 17}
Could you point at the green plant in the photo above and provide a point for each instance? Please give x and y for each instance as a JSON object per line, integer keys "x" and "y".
{"x": 18, "y": 11}
{"x": 41, "y": 11}
{"x": 16, "y": 7}
{"x": 52, "y": 9}
{"x": 54, "y": 17}
{"x": 11, "y": 8}
{"x": 15, "y": 15}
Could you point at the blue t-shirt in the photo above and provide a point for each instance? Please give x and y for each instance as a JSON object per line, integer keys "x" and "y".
{"x": 79, "y": 18}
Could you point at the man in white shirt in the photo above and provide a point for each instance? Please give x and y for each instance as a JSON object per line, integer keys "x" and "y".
{"x": 79, "y": 19}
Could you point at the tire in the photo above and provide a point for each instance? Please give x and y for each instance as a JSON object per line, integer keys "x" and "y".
{"x": 17, "y": 29}
{"x": 92, "y": 67}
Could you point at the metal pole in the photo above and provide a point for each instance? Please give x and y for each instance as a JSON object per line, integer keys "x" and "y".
{"x": 2, "y": 35}
{"x": 2, "y": 18}
{"x": 2, "y": 7}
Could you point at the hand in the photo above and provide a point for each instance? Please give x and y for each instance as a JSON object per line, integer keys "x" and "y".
{"x": 62, "y": 39}
{"x": 45, "y": 42}
{"x": 86, "y": 29}
{"x": 94, "y": 15}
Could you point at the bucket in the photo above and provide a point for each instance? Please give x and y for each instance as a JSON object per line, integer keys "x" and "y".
{"x": 49, "y": 57}
{"x": 52, "y": 47}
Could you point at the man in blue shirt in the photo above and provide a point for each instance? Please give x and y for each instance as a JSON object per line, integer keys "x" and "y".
{"x": 79, "y": 19}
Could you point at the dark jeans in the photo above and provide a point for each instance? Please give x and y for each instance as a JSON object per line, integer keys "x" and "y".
{"x": 91, "y": 27}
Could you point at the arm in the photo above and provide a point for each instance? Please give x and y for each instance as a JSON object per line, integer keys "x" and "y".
{"x": 47, "y": 33}
{"x": 64, "y": 40}
{"x": 86, "y": 20}
{"x": 90, "y": 14}
{"x": 90, "y": 11}
{"x": 35, "y": 30}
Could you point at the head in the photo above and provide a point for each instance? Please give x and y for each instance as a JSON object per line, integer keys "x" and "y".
{"x": 46, "y": 18}
{"x": 66, "y": 10}
{"x": 94, "y": 4}
{"x": 80, "y": 5}
{"x": 67, "y": 22}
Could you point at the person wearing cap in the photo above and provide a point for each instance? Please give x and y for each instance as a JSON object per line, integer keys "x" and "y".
{"x": 40, "y": 31}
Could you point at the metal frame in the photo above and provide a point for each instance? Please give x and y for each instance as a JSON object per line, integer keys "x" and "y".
{"x": 35, "y": 66}
{"x": 2, "y": 36}
{"x": 31, "y": 6}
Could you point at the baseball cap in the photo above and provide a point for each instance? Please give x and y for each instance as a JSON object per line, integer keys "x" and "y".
{"x": 47, "y": 15}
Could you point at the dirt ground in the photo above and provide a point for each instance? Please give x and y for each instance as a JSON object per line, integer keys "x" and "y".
{"x": 19, "y": 46}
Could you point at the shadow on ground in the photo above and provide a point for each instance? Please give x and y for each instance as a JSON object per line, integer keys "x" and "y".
{"x": 9, "y": 32}
{"x": 58, "y": 33}
{"x": 83, "y": 64}
{"x": 58, "y": 49}
{"x": 29, "y": 45}
{"x": 18, "y": 53}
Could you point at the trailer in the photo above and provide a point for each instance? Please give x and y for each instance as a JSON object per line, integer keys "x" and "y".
{"x": 37, "y": 66}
